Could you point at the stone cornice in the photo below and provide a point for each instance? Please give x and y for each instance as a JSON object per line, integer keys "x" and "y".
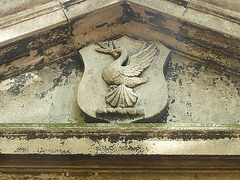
{"x": 123, "y": 139}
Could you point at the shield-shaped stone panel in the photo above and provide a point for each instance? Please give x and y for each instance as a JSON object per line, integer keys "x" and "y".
{"x": 152, "y": 95}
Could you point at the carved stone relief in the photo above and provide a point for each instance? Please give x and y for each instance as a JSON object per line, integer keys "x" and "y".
{"x": 123, "y": 81}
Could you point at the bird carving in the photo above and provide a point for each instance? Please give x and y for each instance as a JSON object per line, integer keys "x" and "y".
{"x": 123, "y": 74}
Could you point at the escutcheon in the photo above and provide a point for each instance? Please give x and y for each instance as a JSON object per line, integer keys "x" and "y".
{"x": 123, "y": 81}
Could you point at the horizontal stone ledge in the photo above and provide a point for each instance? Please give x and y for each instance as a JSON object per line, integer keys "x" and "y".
{"x": 123, "y": 146}
{"x": 142, "y": 130}
{"x": 115, "y": 163}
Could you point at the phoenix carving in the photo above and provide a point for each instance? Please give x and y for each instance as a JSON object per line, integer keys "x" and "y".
{"x": 123, "y": 74}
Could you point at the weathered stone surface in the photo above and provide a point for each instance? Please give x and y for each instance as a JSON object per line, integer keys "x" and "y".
{"x": 99, "y": 25}
{"x": 217, "y": 43}
{"x": 177, "y": 29}
{"x": 120, "y": 139}
{"x": 28, "y": 23}
{"x": 225, "y": 9}
{"x": 199, "y": 93}
{"x": 150, "y": 146}
{"x": 35, "y": 52}
{"x": 74, "y": 9}
{"x": 43, "y": 96}
{"x": 15, "y": 6}
{"x": 232, "y": 5}
{"x": 162, "y": 6}
{"x": 212, "y": 22}
{"x": 189, "y": 35}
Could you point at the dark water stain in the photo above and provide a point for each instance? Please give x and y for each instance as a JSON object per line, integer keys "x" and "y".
{"x": 18, "y": 83}
{"x": 157, "y": 21}
{"x": 116, "y": 136}
{"x": 21, "y": 150}
{"x": 43, "y": 41}
{"x": 101, "y": 25}
{"x": 214, "y": 40}
{"x": 173, "y": 71}
{"x": 129, "y": 15}
{"x": 66, "y": 70}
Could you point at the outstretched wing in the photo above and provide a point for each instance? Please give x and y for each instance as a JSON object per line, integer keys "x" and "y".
{"x": 140, "y": 61}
